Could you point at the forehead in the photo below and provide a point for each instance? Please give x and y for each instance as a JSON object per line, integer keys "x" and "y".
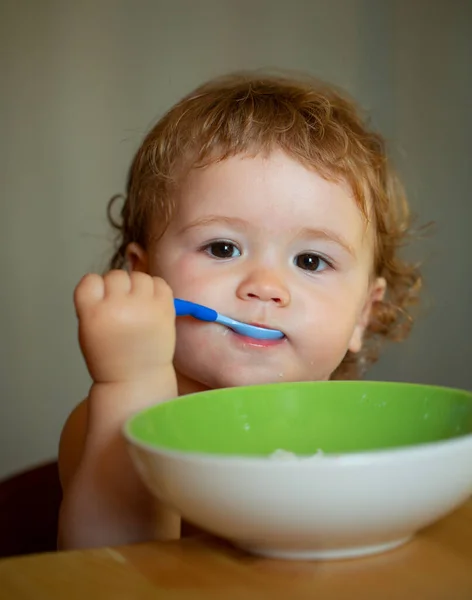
{"x": 271, "y": 191}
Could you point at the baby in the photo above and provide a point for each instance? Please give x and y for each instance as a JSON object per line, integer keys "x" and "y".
{"x": 268, "y": 199}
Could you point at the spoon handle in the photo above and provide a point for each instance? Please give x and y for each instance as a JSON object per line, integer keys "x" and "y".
{"x": 184, "y": 308}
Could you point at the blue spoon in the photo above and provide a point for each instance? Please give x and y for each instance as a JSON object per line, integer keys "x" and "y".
{"x": 184, "y": 308}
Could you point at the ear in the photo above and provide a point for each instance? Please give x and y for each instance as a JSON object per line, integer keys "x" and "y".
{"x": 137, "y": 258}
{"x": 376, "y": 294}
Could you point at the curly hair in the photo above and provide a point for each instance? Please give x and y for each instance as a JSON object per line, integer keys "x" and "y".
{"x": 312, "y": 122}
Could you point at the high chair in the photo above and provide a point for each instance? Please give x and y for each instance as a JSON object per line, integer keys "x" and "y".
{"x": 29, "y": 509}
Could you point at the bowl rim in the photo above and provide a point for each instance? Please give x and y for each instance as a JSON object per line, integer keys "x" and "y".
{"x": 356, "y": 458}
{"x": 426, "y": 451}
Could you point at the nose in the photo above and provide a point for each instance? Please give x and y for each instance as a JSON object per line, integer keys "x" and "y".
{"x": 264, "y": 285}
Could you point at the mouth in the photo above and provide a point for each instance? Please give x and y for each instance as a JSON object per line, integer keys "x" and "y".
{"x": 248, "y": 341}
{"x": 261, "y": 325}
{"x": 267, "y": 328}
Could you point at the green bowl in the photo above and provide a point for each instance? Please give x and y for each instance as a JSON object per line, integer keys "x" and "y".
{"x": 309, "y": 470}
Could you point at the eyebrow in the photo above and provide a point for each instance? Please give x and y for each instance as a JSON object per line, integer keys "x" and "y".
{"x": 215, "y": 220}
{"x": 305, "y": 232}
{"x": 328, "y": 235}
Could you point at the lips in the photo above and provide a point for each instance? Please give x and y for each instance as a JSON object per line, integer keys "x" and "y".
{"x": 261, "y": 325}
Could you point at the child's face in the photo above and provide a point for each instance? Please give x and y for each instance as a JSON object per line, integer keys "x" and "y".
{"x": 266, "y": 241}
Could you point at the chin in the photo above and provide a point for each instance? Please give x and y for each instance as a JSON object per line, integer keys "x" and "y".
{"x": 230, "y": 378}
{"x": 215, "y": 371}
{"x": 250, "y": 379}
{"x": 253, "y": 378}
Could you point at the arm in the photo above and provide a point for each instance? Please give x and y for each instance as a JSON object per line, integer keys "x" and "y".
{"x": 104, "y": 500}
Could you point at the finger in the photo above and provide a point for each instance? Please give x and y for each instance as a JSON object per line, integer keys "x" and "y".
{"x": 162, "y": 289}
{"x": 141, "y": 284}
{"x": 89, "y": 291}
{"x": 117, "y": 283}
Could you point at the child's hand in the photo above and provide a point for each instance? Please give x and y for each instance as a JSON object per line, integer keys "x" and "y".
{"x": 126, "y": 325}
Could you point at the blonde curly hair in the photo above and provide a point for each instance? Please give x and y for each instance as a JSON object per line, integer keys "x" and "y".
{"x": 310, "y": 121}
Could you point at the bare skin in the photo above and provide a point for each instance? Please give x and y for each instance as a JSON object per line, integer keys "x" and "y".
{"x": 123, "y": 320}
{"x": 229, "y": 249}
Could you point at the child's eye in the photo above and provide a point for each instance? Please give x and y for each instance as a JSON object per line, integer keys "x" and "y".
{"x": 311, "y": 262}
{"x": 222, "y": 249}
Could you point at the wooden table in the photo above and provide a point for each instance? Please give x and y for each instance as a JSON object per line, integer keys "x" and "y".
{"x": 435, "y": 565}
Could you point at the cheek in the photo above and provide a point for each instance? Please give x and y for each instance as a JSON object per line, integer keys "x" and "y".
{"x": 189, "y": 343}
{"x": 190, "y": 332}
{"x": 184, "y": 276}
{"x": 200, "y": 282}
{"x": 197, "y": 353}
{"x": 328, "y": 325}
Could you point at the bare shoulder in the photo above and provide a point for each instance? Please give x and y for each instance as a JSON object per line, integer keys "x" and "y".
{"x": 72, "y": 442}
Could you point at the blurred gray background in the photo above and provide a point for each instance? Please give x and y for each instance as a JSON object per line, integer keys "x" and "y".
{"x": 81, "y": 82}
